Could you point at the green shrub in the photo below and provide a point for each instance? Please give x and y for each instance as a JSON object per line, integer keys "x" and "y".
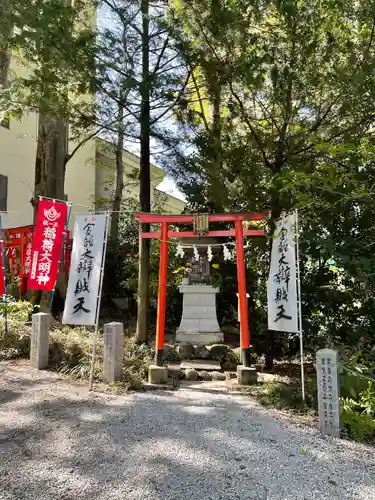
{"x": 81, "y": 369}
{"x": 281, "y": 395}
{"x": 358, "y": 415}
{"x": 16, "y": 343}
{"x": 16, "y": 313}
{"x": 359, "y": 425}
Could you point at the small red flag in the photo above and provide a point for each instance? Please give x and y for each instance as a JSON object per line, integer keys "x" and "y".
{"x": 26, "y": 257}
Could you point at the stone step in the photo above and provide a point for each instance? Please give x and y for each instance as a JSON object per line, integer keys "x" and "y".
{"x": 201, "y": 364}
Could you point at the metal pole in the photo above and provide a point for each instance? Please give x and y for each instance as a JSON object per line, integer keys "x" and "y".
{"x": 299, "y": 304}
{"x": 61, "y": 257}
{"x": 162, "y": 294}
{"x": 93, "y": 357}
{"x": 51, "y": 199}
{"x": 241, "y": 276}
{"x": 4, "y": 278}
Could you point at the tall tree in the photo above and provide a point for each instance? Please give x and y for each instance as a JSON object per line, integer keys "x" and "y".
{"x": 144, "y": 177}
{"x": 297, "y": 89}
{"x": 148, "y": 66}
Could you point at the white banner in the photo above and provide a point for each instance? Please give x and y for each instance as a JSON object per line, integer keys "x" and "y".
{"x": 85, "y": 270}
{"x": 282, "y": 284}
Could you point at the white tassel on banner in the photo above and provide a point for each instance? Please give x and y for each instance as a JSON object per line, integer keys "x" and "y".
{"x": 180, "y": 251}
{"x": 227, "y": 253}
{"x": 209, "y": 253}
{"x": 196, "y": 254}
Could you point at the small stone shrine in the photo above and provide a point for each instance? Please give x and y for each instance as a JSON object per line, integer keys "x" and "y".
{"x": 199, "y": 323}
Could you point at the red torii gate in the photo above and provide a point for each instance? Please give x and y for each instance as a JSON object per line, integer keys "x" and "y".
{"x": 239, "y": 232}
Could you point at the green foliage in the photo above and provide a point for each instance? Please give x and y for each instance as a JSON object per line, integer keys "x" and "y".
{"x": 278, "y": 115}
{"x": 54, "y": 41}
{"x": 357, "y": 366}
{"x": 358, "y": 416}
{"x": 137, "y": 359}
{"x": 281, "y": 396}
{"x": 357, "y": 392}
{"x": 70, "y": 349}
{"x": 16, "y": 311}
{"x": 80, "y": 369}
{"x": 121, "y": 272}
{"x": 16, "y": 343}
{"x": 288, "y": 396}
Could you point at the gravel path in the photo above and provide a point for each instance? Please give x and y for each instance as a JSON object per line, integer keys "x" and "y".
{"x": 59, "y": 442}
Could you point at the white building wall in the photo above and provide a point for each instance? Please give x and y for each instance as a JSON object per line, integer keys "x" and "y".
{"x": 89, "y": 174}
{"x": 17, "y": 162}
{"x": 80, "y": 179}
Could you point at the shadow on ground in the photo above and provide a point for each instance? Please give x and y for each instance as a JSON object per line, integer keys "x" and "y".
{"x": 59, "y": 442}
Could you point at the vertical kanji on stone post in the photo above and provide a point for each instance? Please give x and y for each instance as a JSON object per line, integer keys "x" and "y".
{"x": 113, "y": 351}
{"x": 40, "y": 340}
{"x": 328, "y": 391}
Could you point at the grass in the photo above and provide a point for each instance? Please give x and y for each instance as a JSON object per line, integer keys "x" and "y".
{"x": 70, "y": 351}
{"x": 284, "y": 392}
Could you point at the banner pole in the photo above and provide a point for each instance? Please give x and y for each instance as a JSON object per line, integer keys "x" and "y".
{"x": 51, "y": 199}
{"x": 61, "y": 257}
{"x": 2, "y": 243}
{"x": 299, "y": 307}
{"x": 98, "y": 302}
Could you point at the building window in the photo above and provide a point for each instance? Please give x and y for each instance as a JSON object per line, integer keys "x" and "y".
{"x": 3, "y": 193}
{"x": 5, "y": 122}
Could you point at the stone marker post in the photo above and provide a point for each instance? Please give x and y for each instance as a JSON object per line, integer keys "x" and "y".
{"x": 328, "y": 391}
{"x": 40, "y": 340}
{"x": 113, "y": 351}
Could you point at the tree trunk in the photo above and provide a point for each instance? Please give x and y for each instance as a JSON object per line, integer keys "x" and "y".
{"x": 4, "y": 67}
{"x": 51, "y": 157}
{"x": 50, "y": 175}
{"x": 116, "y": 206}
{"x": 144, "y": 181}
{"x": 215, "y": 178}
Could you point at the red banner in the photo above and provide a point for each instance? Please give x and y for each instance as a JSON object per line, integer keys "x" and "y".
{"x": 48, "y": 239}
{"x": 27, "y": 245}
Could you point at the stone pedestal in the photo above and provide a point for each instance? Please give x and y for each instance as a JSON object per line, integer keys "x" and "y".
{"x": 246, "y": 375}
{"x": 113, "y": 351}
{"x": 199, "y": 323}
{"x": 157, "y": 375}
{"x": 39, "y": 346}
